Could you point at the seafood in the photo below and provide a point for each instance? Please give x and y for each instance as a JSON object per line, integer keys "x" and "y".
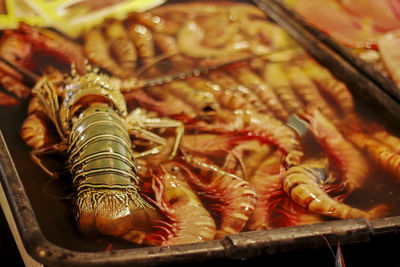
{"x": 180, "y": 204}
{"x": 303, "y": 183}
{"x": 291, "y": 214}
{"x": 51, "y": 44}
{"x": 143, "y": 40}
{"x": 150, "y": 147}
{"x": 257, "y": 126}
{"x": 309, "y": 92}
{"x": 267, "y": 182}
{"x": 234, "y": 196}
{"x": 274, "y": 75}
{"x": 350, "y": 162}
{"x": 199, "y": 100}
{"x": 7, "y": 100}
{"x": 381, "y": 13}
{"x": 331, "y": 18}
{"x": 261, "y": 89}
{"x": 332, "y": 88}
{"x": 97, "y": 51}
{"x": 14, "y": 48}
{"x": 228, "y": 84}
{"x": 160, "y": 102}
{"x": 189, "y": 41}
{"x": 388, "y": 46}
{"x": 121, "y": 46}
{"x": 380, "y": 153}
{"x": 153, "y": 21}
{"x": 89, "y": 123}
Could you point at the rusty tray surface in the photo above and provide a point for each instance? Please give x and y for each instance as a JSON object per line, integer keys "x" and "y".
{"x": 44, "y": 220}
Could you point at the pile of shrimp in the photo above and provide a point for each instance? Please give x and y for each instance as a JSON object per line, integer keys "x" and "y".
{"x": 241, "y": 165}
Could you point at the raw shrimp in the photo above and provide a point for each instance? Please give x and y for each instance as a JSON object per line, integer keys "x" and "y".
{"x": 235, "y": 197}
{"x": 200, "y": 100}
{"x": 264, "y": 92}
{"x": 274, "y": 75}
{"x": 303, "y": 183}
{"x": 267, "y": 182}
{"x": 292, "y": 214}
{"x": 97, "y": 50}
{"x": 189, "y": 221}
{"x": 121, "y": 45}
{"x": 308, "y": 91}
{"x": 331, "y": 87}
{"x": 258, "y": 126}
{"x": 227, "y": 83}
{"x": 143, "y": 40}
{"x": 345, "y": 156}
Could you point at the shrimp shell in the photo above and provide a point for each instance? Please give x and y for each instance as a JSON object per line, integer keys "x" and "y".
{"x": 274, "y": 75}
{"x": 331, "y": 87}
{"x": 308, "y": 91}
{"x": 227, "y": 83}
{"x": 235, "y": 196}
{"x": 267, "y": 182}
{"x": 303, "y": 184}
{"x": 350, "y": 162}
{"x": 120, "y": 45}
{"x": 97, "y": 50}
{"x": 143, "y": 40}
{"x": 264, "y": 92}
{"x": 180, "y": 205}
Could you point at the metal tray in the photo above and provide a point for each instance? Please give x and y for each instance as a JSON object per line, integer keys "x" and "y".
{"x": 46, "y": 227}
{"x": 368, "y": 69}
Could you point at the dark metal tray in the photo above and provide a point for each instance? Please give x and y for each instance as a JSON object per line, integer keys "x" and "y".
{"x": 42, "y": 211}
{"x": 368, "y": 69}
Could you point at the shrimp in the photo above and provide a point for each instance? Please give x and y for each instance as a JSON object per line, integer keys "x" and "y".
{"x": 264, "y": 92}
{"x": 120, "y": 45}
{"x": 331, "y": 87}
{"x": 97, "y": 50}
{"x": 157, "y": 99}
{"x": 143, "y": 40}
{"x": 15, "y": 48}
{"x": 303, "y": 183}
{"x": 189, "y": 221}
{"x": 13, "y": 86}
{"x": 292, "y": 214}
{"x": 199, "y": 100}
{"x": 228, "y": 84}
{"x": 352, "y": 165}
{"x": 258, "y": 126}
{"x": 153, "y": 21}
{"x": 191, "y": 36}
{"x": 381, "y": 154}
{"x": 274, "y": 75}
{"x": 7, "y": 100}
{"x": 50, "y": 43}
{"x": 308, "y": 91}
{"x": 167, "y": 45}
{"x": 235, "y": 197}
{"x": 267, "y": 182}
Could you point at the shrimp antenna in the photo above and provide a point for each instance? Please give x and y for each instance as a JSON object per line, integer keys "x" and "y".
{"x": 29, "y": 75}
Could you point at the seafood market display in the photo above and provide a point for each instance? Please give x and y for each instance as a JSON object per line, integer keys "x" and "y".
{"x": 370, "y": 28}
{"x": 193, "y": 121}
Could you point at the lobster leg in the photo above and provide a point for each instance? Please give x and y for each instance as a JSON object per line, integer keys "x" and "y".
{"x": 36, "y": 153}
{"x": 138, "y": 121}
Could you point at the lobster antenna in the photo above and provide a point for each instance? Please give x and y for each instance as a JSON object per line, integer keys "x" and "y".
{"x": 197, "y": 71}
{"x": 33, "y": 77}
